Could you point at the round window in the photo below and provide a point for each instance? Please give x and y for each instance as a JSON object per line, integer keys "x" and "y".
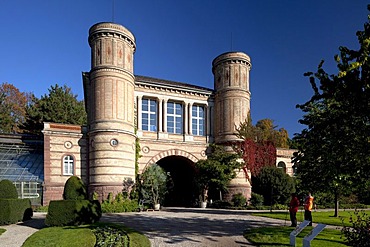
{"x": 114, "y": 142}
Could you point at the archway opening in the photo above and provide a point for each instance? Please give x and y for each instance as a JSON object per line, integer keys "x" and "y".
{"x": 182, "y": 191}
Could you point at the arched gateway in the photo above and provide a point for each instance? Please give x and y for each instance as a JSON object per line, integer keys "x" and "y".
{"x": 182, "y": 190}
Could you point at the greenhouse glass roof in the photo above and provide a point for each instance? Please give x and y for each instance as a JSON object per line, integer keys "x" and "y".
{"x": 21, "y": 158}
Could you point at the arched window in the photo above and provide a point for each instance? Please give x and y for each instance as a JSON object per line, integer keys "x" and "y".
{"x": 68, "y": 165}
{"x": 282, "y": 165}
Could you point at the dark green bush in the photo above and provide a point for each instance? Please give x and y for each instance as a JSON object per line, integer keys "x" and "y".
{"x": 74, "y": 189}
{"x": 15, "y": 210}
{"x": 239, "y": 200}
{"x": 8, "y": 190}
{"x": 72, "y": 212}
{"x": 256, "y": 200}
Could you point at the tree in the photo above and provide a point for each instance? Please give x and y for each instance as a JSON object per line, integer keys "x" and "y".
{"x": 59, "y": 106}
{"x": 12, "y": 108}
{"x": 257, "y": 147}
{"x": 334, "y": 149}
{"x": 153, "y": 184}
{"x": 216, "y": 171}
{"x": 274, "y": 185}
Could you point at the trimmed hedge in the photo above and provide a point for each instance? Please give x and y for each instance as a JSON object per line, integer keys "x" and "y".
{"x": 8, "y": 190}
{"x": 14, "y": 210}
{"x": 73, "y": 212}
{"x": 74, "y": 189}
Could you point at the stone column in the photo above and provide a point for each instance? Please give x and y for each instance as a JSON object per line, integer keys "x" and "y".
{"x": 160, "y": 115}
{"x": 186, "y": 118}
{"x": 165, "y": 115}
{"x": 208, "y": 121}
{"x": 139, "y": 112}
{"x": 190, "y": 118}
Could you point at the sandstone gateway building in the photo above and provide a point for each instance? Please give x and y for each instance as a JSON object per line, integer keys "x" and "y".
{"x": 175, "y": 123}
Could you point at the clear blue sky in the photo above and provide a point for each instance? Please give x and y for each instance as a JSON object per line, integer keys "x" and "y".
{"x": 45, "y": 42}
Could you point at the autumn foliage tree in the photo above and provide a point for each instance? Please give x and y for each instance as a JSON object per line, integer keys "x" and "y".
{"x": 258, "y": 144}
{"x": 12, "y": 108}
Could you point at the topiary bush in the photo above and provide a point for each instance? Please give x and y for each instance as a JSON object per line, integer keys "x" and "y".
{"x": 8, "y": 190}
{"x": 12, "y": 208}
{"x": 75, "y": 209}
{"x": 15, "y": 210}
{"x": 72, "y": 212}
{"x": 74, "y": 189}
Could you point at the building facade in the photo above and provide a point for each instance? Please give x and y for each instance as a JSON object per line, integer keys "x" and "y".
{"x": 174, "y": 122}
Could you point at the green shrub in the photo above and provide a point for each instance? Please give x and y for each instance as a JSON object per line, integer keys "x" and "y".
{"x": 119, "y": 204}
{"x": 72, "y": 212}
{"x": 15, "y": 210}
{"x": 74, "y": 189}
{"x": 239, "y": 200}
{"x": 256, "y": 200}
{"x": 359, "y": 233}
{"x": 8, "y": 190}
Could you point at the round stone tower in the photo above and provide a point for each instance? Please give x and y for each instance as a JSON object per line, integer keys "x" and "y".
{"x": 232, "y": 105}
{"x": 109, "y": 92}
{"x": 232, "y": 97}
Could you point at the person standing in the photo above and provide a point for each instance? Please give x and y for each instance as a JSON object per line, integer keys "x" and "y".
{"x": 308, "y": 205}
{"x": 293, "y": 209}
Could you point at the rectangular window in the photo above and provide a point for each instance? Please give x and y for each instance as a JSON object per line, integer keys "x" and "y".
{"x": 149, "y": 115}
{"x": 174, "y": 118}
{"x": 68, "y": 165}
{"x": 197, "y": 120}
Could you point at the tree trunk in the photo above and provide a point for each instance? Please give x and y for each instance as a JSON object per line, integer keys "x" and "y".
{"x": 336, "y": 204}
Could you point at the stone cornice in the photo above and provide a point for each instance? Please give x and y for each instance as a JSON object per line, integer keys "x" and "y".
{"x": 111, "y": 30}
{"x": 181, "y": 89}
{"x": 111, "y": 68}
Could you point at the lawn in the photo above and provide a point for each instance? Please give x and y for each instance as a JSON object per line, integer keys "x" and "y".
{"x": 279, "y": 236}
{"x": 79, "y": 236}
{"x": 2, "y": 230}
{"x": 317, "y": 217}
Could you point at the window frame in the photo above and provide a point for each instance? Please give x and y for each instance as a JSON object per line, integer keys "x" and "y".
{"x": 178, "y": 126}
{"x": 150, "y": 113}
{"x": 199, "y": 129}
{"x": 70, "y": 163}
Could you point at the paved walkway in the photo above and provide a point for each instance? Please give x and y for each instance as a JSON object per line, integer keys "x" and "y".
{"x": 193, "y": 227}
{"x": 169, "y": 227}
{"x": 16, "y": 234}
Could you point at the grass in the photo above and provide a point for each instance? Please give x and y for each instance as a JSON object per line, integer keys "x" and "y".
{"x": 2, "y": 230}
{"x": 317, "y": 216}
{"x": 279, "y": 236}
{"x": 79, "y": 236}
{"x": 62, "y": 237}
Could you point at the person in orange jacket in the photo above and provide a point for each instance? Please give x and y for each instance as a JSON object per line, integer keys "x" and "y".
{"x": 293, "y": 209}
{"x": 308, "y": 205}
